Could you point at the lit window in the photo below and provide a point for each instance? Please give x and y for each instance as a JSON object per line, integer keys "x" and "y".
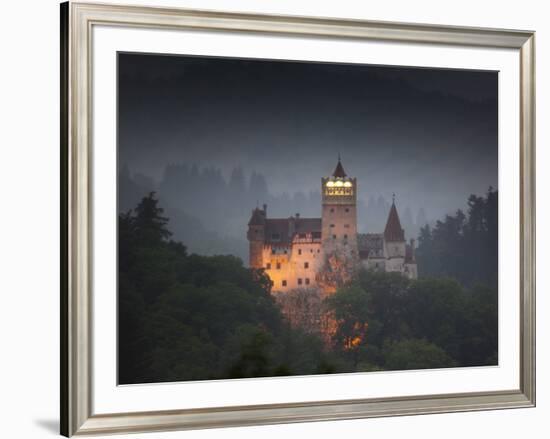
{"x": 306, "y": 264}
{"x": 284, "y": 283}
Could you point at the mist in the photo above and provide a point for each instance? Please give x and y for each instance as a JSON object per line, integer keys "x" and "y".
{"x": 217, "y": 136}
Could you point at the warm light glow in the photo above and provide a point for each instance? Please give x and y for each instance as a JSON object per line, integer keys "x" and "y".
{"x": 347, "y": 184}
{"x": 339, "y": 183}
{"x": 330, "y": 184}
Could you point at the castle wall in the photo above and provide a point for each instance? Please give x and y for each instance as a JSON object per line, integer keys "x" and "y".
{"x": 395, "y": 264}
{"x": 375, "y": 264}
{"x": 297, "y": 268}
{"x": 411, "y": 271}
{"x": 394, "y": 249}
{"x": 339, "y": 227}
{"x": 256, "y": 254}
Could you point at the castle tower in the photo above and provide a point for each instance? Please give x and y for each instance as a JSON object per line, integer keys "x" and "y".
{"x": 394, "y": 240}
{"x": 256, "y": 237}
{"x": 339, "y": 213}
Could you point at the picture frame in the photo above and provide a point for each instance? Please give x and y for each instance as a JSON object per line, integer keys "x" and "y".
{"x": 77, "y": 235}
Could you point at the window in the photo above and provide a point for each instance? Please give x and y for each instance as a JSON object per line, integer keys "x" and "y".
{"x": 306, "y": 264}
{"x": 332, "y": 225}
{"x": 299, "y": 251}
{"x": 347, "y": 209}
{"x": 333, "y": 236}
{"x": 318, "y": 251}
{"x": 345, "y": 236}
{"x": 268, "y": 266}
{"x": 332, "y": 210}
{"x": 311, "y": 250}
{"x": 284, "y": 252}
{"x": 284, "y": 283}
{"x": 307, "y": 280}
{"x": 299, "y": 281}
{"x": 278, "y": 265}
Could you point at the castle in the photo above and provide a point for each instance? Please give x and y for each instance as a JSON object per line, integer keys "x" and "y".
{"x": 301, "y": 252}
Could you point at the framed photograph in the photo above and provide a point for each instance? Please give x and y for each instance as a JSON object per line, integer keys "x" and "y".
{"x": 274, "y": 219}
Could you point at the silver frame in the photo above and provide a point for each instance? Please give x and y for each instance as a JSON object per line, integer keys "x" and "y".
{"x": 77, "y": 20}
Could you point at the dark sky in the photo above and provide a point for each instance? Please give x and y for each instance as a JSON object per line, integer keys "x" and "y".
{"x": 429, "y": 135}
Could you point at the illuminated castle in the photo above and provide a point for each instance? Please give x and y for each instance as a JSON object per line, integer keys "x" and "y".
{"x": 323, "y": 252}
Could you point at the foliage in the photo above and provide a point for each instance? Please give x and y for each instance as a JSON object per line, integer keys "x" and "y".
{"x": 462, "y": 246}
{"x": 416, "y": 354}
{"x": 399, "y": 323}
{"x": 188, "y": 317}
{"x": 191, "y": 317}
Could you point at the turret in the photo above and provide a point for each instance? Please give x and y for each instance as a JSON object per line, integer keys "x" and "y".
{"x": 256, "y": 236}
{"x": 339, "y": 212}
{"x": 394, "y": 235}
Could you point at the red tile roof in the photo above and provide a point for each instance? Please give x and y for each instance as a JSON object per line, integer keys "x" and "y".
{"x": 282, "y": 230}
{"x": 393, "y": 231}
{"x": 339, "y": 171}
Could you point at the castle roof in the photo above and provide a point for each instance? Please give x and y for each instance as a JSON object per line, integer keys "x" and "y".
{"x": 257, "y": 218}
{"x": 393, "y": 231}
{"x": 282, "y": 230}
{"x": 370, "y": 244}
{"x": 339, "y": 171}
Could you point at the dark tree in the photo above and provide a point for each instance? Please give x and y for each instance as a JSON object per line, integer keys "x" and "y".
{"x": 463, "y": 246}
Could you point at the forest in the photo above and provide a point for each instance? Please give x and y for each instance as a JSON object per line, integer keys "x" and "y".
{"x": 184, "y": 316}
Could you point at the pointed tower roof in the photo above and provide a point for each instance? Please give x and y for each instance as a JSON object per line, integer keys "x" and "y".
{"x": 393, "y": 231}
{"x": 339, "y": 171}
